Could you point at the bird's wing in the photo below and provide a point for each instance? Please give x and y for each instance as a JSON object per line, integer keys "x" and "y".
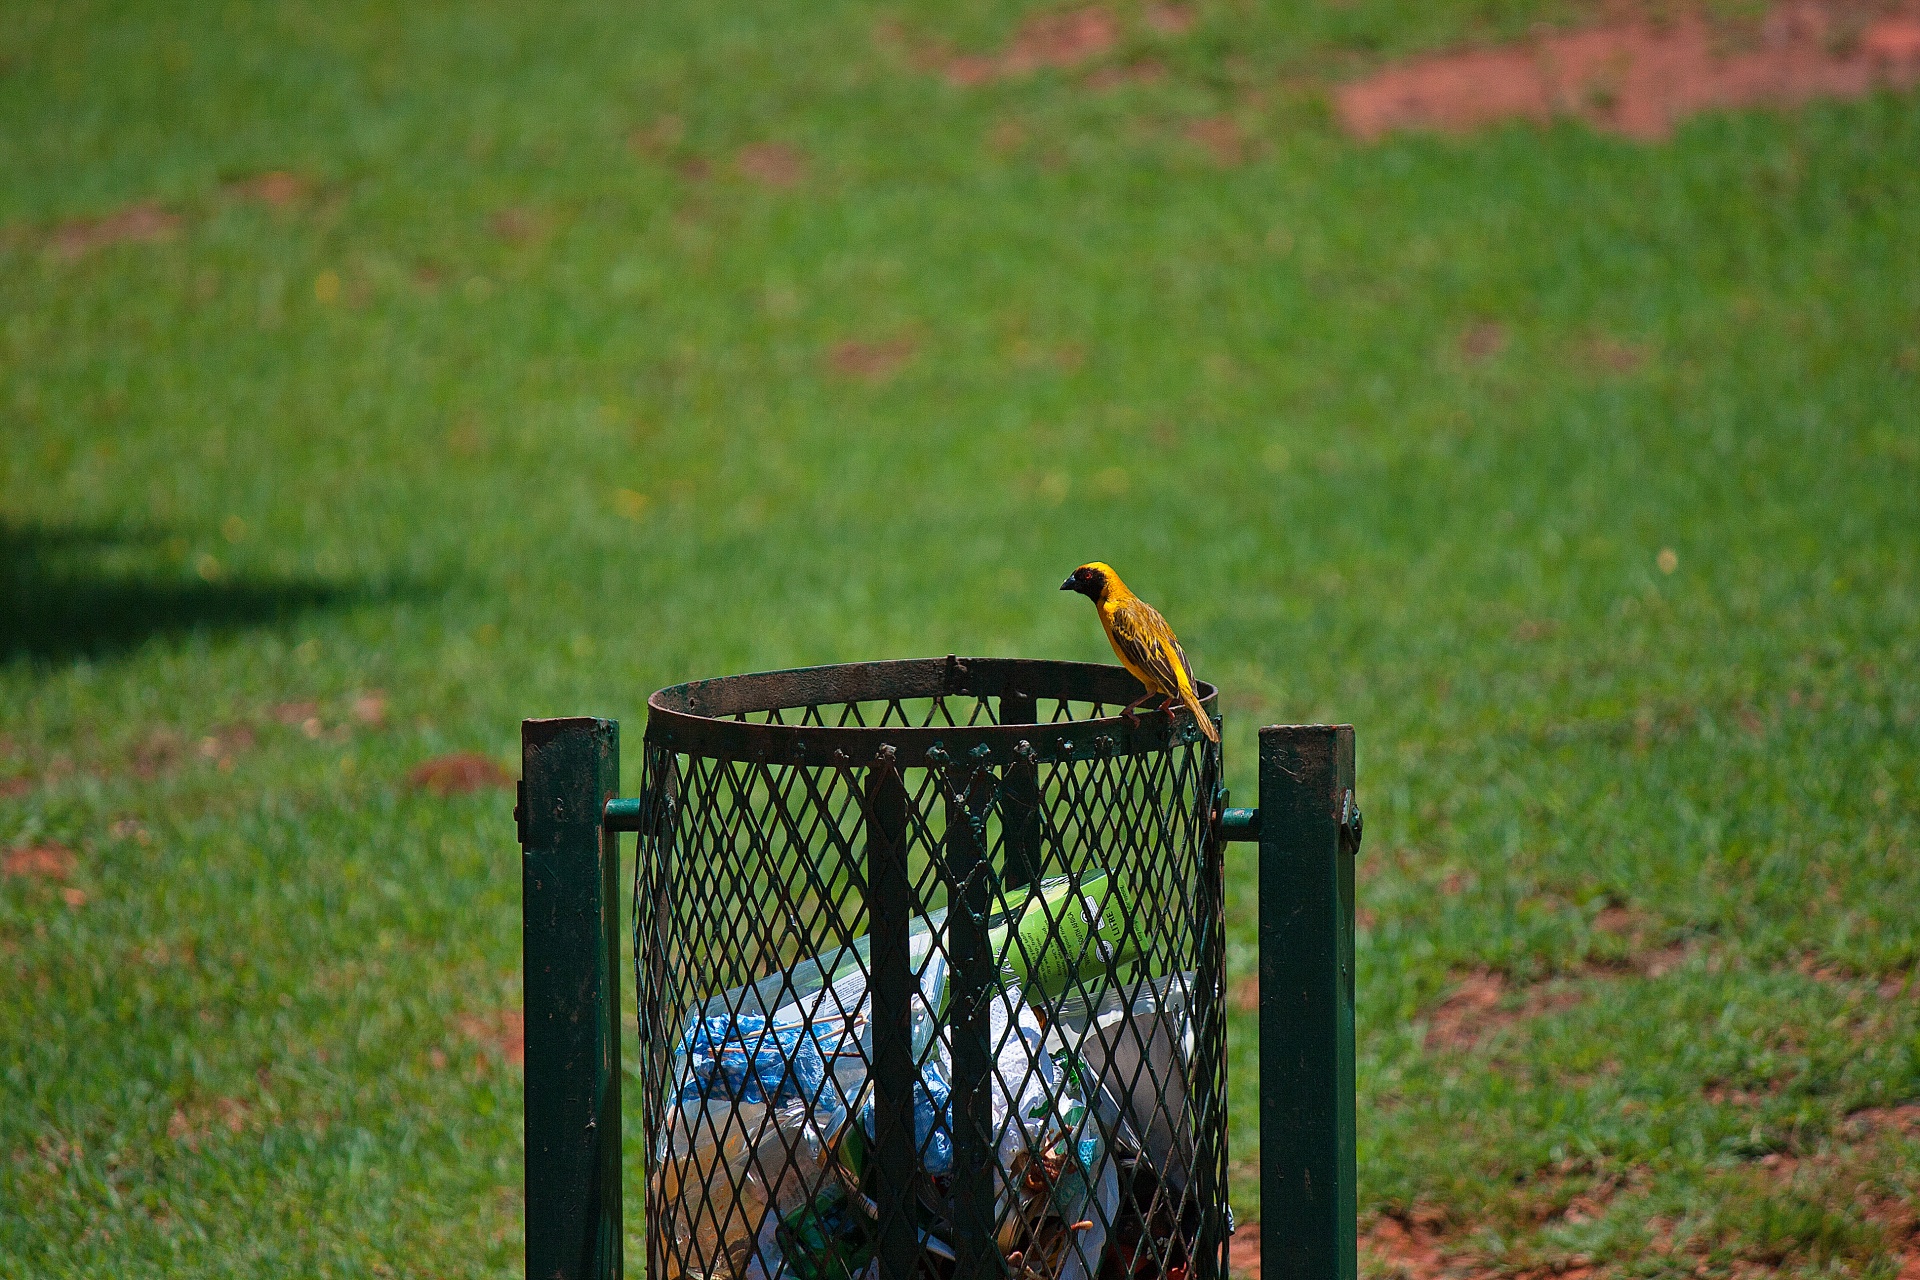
{"x": 1186, "y": 667}
{"x": 1148, "y": 642}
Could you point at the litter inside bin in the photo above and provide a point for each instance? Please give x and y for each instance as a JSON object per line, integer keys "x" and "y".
{"x": 766, "y": 1155}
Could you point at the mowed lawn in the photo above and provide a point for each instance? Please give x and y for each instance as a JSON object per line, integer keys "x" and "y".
{"x": 372, "y": 378}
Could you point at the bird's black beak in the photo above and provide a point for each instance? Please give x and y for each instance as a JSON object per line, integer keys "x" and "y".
{"x": 1069, "y": 584}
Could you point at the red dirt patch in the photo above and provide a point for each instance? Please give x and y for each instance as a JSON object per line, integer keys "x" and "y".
{"x": 1220, "y": 136}
{"x": 1483, "y": 341}
{"x": 1243, "y": 1251}
{"x": 226, "y": 742}
{"x": 155, "y": 753}
{"x": 458, "y": 773}
{"x": 190, "y": 1125}
{"x": 1146, "y": 71}
{"x": 40, "y": 861}
{"x": 661, "y": 138}
{"x": 771, "y": 164}
{"x": 1723, "y": 1094}
{"x": 1552, "y": 1203}
{"x": 1616, "y": 920}
{"x": 1006, "y": 137}
{"x": 1637, "y": 78}
{"x": 1904, "y": 1118}
{"x": 1410, "y": 1245}
{"x": 1651, "y": 962}
{"x": 504, "y": 1032}
{"x": 1473, "y": 1010}
{"x": 516, "y": 225}
{"x": 1613, "y": 355}
{"x": 137, "y": 223}
{"x": 1888, "y": 986}
{"x": 1168, "y": 19}
{"x": 277, "y": 188}
{"x": 871, "y": 361}
{"x": 1056, "y": 41}
{"x": 1419, "y": 1246}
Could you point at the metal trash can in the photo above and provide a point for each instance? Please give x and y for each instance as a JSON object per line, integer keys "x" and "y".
{"x": 930, "y": 980}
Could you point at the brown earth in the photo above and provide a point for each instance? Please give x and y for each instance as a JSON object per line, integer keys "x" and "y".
{"x": 1423, "y": 1244}
{"x": 1904, "y": 1119}
{"x": 1145, "y": 71}
{"x": 771, "y": 164}
{"x": 1483, "y": 341}
{"x": 225, "y": 743}
{"x": 1612, "y": 355}
{"x": 1409, "y": 1245}
{"x": 504, "y": 1032}
{"x": 1243, "y": 1251}
{"x": 277, "y": 188}
{"x": 1725, "y": 1094}
{"x": 164, "y": 749}
{"x": 1835, "y": 1177}
{"x": 660, "y": 139}
{"x": 1058, "y": 40}
{"x": 136, "y": 223}
{"x": 40, "y": 861}
{"x": 190, "y": 1125}
{"x": 1638, "y": 77}
{"x": 871, "y": 361}
{"x": 159, "y": 751}
{"x": 1220, "y": 136}
{"x": 456, "y": 774}
{"x": 1168, "y": 19}
{"x": 1889, "y": 986}
{"x": 516, "y": 225}
{"x": 1477, "y": 1007}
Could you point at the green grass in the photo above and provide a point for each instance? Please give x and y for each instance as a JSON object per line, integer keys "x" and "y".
{"x": 364, "y": 442}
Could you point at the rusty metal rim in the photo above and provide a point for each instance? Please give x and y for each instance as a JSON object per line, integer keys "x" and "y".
{"x": 696, "y": 718}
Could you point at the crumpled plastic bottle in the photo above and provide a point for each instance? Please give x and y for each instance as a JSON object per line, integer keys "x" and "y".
{"x": 748, "y": 1134}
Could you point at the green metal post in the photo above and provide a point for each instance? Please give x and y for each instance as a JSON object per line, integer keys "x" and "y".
{"x": 1308, "y": 831}
{"x": 1020, "y": 801}
{"x": 570, "y": 869}
{"x": 890, "y": 903}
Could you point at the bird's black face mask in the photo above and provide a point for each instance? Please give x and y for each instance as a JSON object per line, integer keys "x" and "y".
{"x": 1085, "y": 581}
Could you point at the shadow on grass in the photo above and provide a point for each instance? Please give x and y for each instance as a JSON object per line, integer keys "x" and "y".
{"x": 80, "y": 592}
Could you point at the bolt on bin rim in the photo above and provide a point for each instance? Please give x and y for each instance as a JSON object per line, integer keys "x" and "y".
{"x": 695, "y": 718}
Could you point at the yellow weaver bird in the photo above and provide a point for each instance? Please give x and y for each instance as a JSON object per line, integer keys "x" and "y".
{"x": 1143, "y": 641}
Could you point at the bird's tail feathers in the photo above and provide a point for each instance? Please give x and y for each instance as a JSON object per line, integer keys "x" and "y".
{"x": 1201, "y": 718}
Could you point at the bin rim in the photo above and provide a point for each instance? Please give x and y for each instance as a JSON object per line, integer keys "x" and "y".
{"x": 697, "y": 718}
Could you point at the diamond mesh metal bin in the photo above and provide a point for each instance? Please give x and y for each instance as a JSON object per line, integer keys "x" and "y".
{"x": 930, "y": 982}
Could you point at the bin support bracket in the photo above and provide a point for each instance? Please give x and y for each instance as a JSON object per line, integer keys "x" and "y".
{"x": 570, "y": 917}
